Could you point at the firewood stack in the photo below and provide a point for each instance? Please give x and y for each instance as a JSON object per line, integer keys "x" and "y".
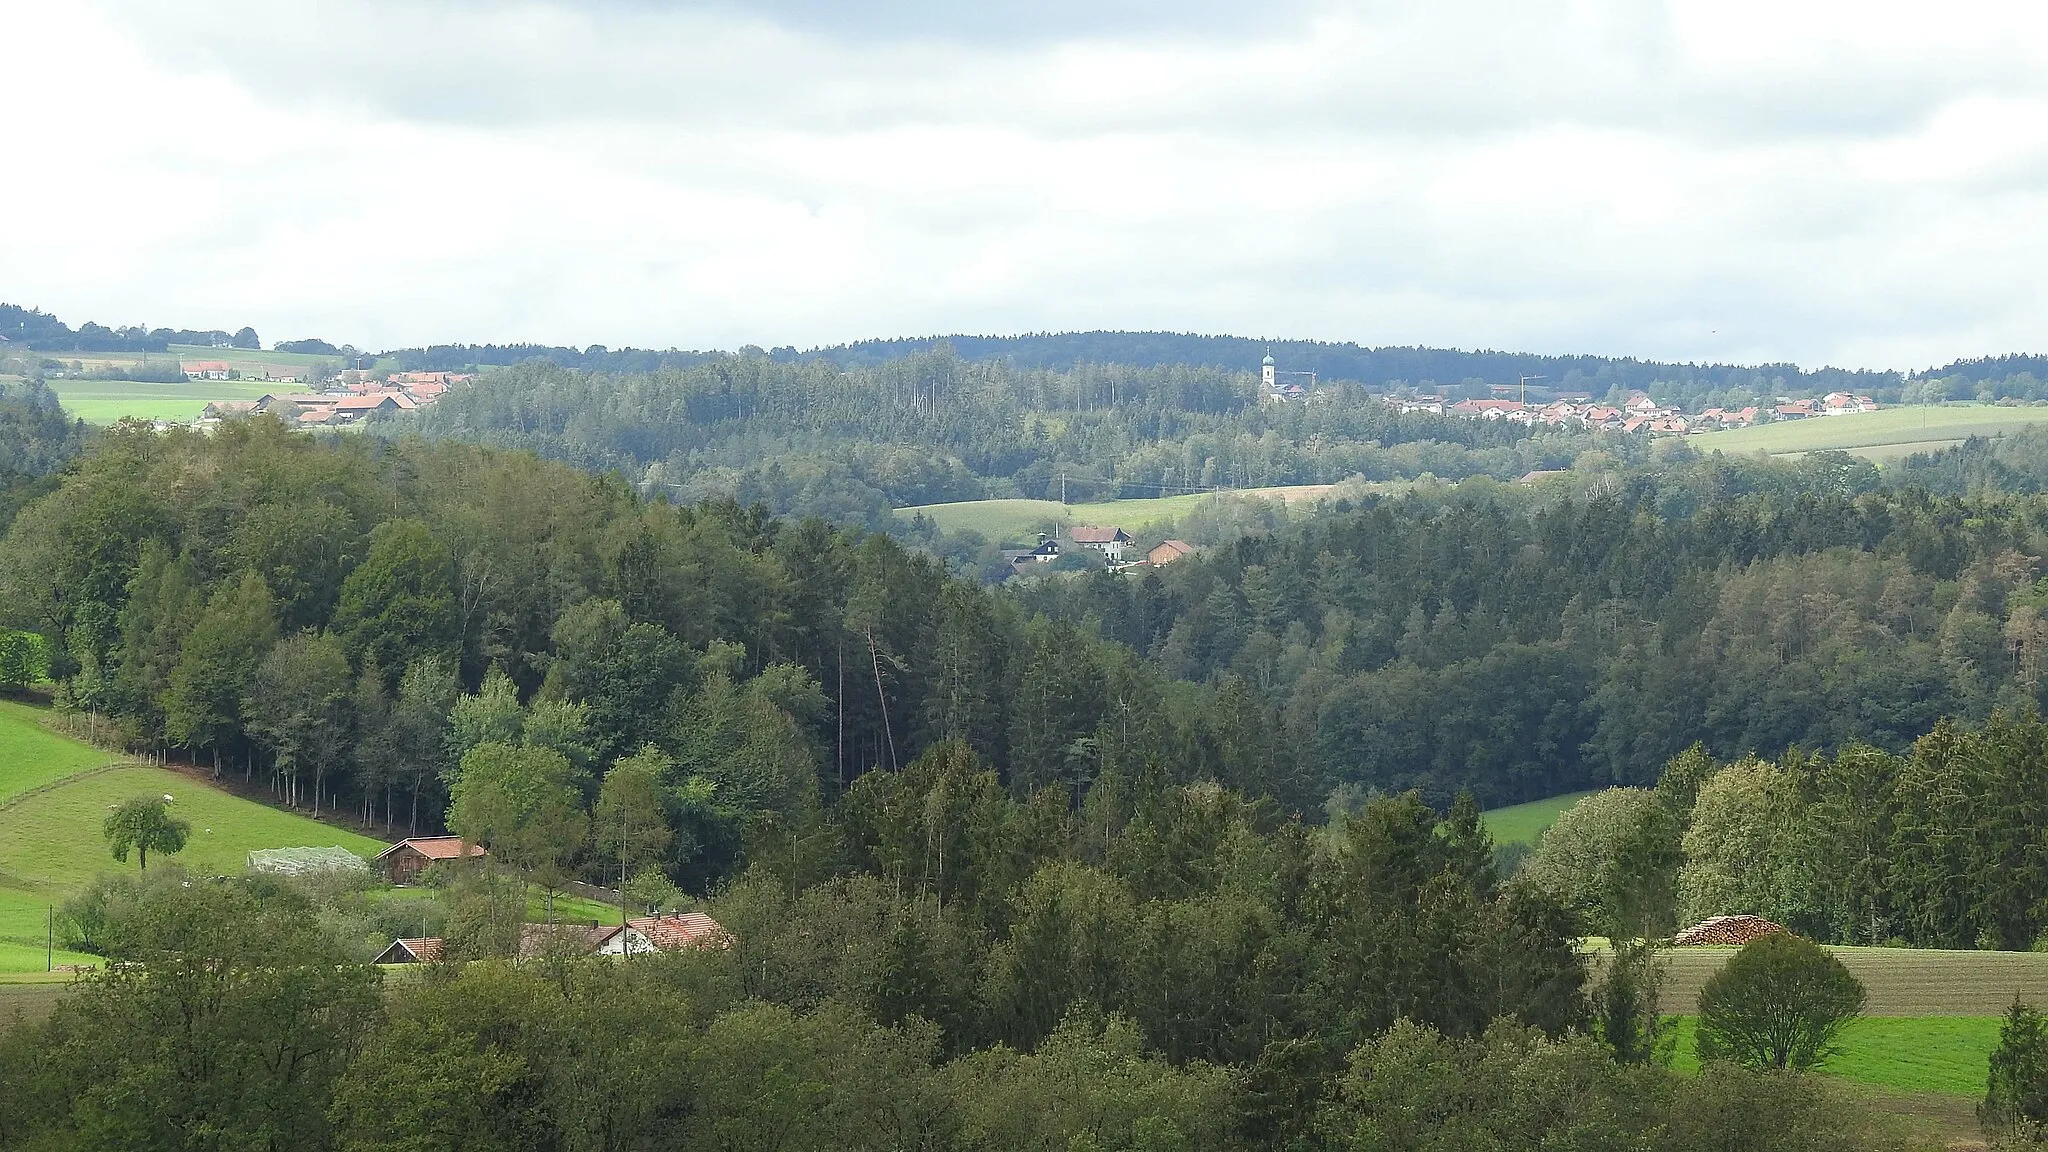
{"x": 1736, "y": 930}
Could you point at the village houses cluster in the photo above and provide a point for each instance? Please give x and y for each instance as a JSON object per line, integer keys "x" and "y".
{"x": 1638, "y": 413}
{"x": 350, "y": 398}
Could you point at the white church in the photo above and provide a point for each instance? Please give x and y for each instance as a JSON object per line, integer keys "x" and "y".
{"x": 1273, "y": 391}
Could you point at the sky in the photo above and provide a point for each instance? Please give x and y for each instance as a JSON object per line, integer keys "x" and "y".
{"x": 1862, "y": 184}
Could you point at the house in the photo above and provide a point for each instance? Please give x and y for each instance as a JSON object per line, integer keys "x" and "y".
{"x": 351, "y": 408}
{"x": 1167, "y": 551}
{"x": 1047, "y": 551}
{"x": 539, "y": 940}
{"x": 1795, "y": 410}
{"x": 283, "y": 374}
{"x": 1845, "y": 403}
{"x": 1485, "y": 409}
{"x": 408, "y": 858}
{"x": 205, "y": 370}
{"x": 675, "y": 931}
{"x": 402, "y": 951}
{"x": 1111, "y": 542}
{"x": 1541, "y": 474}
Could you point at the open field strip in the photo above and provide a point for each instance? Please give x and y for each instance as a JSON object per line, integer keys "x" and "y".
{"x": 1918, "y": 427}
{"x": 1008, "y": 520}
{"x": 1523, "y": 823}
{"x": 1950, "y": 1054}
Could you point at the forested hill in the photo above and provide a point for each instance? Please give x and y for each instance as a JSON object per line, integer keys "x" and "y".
{"x": 805, "y": 437}
{"x": 1347, "y": 361}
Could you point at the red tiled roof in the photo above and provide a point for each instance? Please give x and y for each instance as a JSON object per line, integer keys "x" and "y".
{"x": 1177, "y": 547}
{"x": 1098, "y": 535}
{"x": 671, "y": 931}
{"x": 435, "y": 848}
{"x": 423, "y": 951}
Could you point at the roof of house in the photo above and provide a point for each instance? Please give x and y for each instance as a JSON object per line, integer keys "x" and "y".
{"x": 204, "y": 366}
{"x": 670, "y": 931}
{"x": 1088, "y": 535}
{"x": 423, "y": 950}
{"x": 435, "y": 848}
{"x": 368, "y": 403}
{"x": 1177, "y": 547}
{"x": 534, "y": 939}
{"x": 1542, "y": 474}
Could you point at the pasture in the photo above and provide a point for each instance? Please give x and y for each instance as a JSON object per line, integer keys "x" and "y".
{"x": 54, "y": 794}
{"x": 1010, "y": 521}
{"x": 1524, "y": 823}
{"x": 1885, "y": 434}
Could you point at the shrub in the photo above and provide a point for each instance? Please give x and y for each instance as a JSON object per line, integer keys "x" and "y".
{"x": 2016, "y": 1097}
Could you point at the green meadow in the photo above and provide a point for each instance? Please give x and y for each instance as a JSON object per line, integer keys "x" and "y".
{"x": 107, "y": 401}
{"x": 1523, "y": 823}
{"x": 1885, "y": 434}
{"x": 54, "y": 794}
{"x": 1010, "y": 521}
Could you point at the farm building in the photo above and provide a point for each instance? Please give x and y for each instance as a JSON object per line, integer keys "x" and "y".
{"x": 406, "y": 859}
{"x": 1167, "y": 551}
{"x": 1111, "y": 542}
{"x": 418, "y": 951}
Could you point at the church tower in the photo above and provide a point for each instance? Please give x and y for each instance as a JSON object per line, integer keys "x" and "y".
{"x": 1267, "y": 372}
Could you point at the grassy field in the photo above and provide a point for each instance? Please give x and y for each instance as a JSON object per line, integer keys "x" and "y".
{"x": 1949, "y": 1054}
{"x": 1888, "y": 433}
{"x": 106, "y": 401}
{"x": 1523, "y": 823}
{"x": 50, "y": 842}
{"x": 31, "y": 757}
{"x": 1010, "y": 520}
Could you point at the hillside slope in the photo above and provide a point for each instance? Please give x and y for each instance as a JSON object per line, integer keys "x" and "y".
{"x": 54, "y": 793}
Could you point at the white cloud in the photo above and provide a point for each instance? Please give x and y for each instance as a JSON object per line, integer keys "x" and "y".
{"x": 1791, "y": 180}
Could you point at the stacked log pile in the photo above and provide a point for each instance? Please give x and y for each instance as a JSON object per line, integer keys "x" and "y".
{"x": 1736, "y": 930}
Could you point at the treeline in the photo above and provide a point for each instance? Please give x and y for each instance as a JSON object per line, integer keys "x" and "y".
{"x": 1378, "y": 367}
{"x": 933, "y": 964}
{"x": 806, "y": 438}
{"x": 1525, "y": 644}
{"x": 33, "y": 328}
{"x": 1941, "y": 845}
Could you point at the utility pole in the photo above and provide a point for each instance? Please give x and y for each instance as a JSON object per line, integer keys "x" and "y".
{"x": 1525, "y": 388}
{"x": 50, "y": 941}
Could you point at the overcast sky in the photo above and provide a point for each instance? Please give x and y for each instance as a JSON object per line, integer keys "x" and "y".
{"x": 1853, "y": 183}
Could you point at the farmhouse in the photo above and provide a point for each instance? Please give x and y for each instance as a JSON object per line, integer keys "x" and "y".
{"x": 539, "y": 940}
{"x": 408, "y": 858}
{"x": 1111, "y": 542}
{"x": 417, "y": 951}
{"x": 1167, "y": 551}
{"x": 675, "y": 931}
{"x": 205, "y": 370}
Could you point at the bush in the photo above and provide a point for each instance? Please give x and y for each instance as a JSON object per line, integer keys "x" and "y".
{"x": 1779, "y": 1003}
